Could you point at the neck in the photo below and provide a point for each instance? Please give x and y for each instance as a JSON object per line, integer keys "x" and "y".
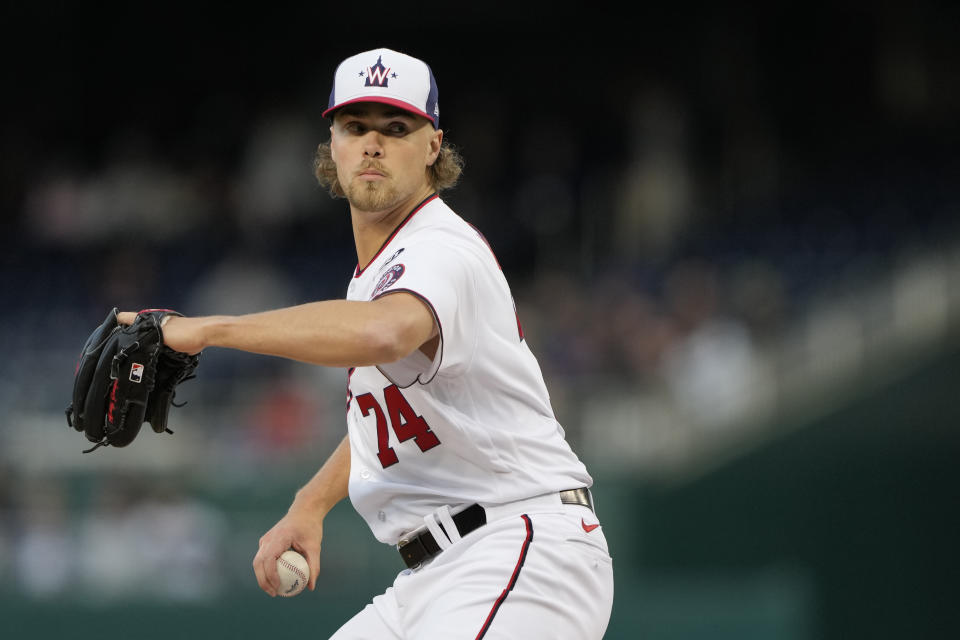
{"x": 372, "y": 228}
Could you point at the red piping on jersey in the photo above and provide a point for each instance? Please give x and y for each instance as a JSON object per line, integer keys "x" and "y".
{"x": 513, "y": 578}
{"x": 358, "y": 271}
{"x": 489, "y": 246}
{"x": 349, "y": 390}
{"x": 494, "y": 254}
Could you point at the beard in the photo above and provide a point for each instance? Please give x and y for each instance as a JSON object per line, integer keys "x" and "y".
{"x": 372, "y": 196}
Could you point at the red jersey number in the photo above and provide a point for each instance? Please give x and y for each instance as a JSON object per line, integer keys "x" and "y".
{"x": 404, "y": 420}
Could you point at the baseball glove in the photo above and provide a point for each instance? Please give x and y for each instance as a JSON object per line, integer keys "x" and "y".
{"x": 126, "y": 376}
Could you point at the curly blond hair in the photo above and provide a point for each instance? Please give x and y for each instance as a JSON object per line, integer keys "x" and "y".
{"x": 444, "y": 172}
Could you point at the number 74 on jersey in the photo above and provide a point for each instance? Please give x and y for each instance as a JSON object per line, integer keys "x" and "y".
{"x": 404, "y": 421}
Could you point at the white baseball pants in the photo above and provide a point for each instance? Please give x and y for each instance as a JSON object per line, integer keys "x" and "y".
{"x": 538, "y": 569}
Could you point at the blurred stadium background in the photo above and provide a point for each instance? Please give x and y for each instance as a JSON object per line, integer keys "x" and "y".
{"x": 733, "y": 240}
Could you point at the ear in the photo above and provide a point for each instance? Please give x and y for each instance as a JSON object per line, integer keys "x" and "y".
{"x": 333, "y": 153}
{"x": 436, "y": 141}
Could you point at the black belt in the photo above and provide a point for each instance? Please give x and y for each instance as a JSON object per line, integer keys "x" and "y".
{"x": 417, "y": 550}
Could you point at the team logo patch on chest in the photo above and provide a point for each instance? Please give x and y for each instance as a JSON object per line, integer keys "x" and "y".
{"x": 388, "y": 279}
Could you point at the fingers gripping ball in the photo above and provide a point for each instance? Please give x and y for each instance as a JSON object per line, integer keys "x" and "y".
{"x": 126, "y": 376}
{"x": 294, "y": 573}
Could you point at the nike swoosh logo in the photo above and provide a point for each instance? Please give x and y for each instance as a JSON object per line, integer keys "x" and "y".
{"x": 588, "y": 527}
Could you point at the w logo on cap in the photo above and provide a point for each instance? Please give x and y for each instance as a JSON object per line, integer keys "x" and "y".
{"x": 377, "y": 75}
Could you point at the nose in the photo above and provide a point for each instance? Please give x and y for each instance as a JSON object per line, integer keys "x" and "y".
{"x": 372, "y": 147}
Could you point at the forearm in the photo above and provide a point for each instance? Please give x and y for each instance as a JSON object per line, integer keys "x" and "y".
{"x": 329, "y": 485}
{"x": 301, "y": 528}
{"x": 334, "y": 333}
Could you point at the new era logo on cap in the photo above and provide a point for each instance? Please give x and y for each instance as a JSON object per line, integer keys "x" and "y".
{"x": 387, "y": 76}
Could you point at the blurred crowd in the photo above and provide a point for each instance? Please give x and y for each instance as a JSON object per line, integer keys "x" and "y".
{"x": 629, "y": 271}
{"x": 121, "y": 540}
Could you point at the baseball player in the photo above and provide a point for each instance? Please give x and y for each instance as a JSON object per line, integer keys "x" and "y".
{"x": 453, "y": 453}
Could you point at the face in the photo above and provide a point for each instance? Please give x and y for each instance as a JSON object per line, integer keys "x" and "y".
{"x": 382, "y": 154}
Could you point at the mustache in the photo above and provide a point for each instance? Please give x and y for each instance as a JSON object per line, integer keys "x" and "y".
{"x": 372, "y": 164}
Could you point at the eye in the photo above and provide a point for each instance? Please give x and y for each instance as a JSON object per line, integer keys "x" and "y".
{"x": 397, "y": 128}
{"x": 354, "y": 127}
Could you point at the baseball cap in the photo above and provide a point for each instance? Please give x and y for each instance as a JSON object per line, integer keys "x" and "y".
{"x": 387, "y": 76}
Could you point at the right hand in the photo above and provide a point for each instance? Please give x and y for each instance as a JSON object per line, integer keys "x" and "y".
{"x": 300, "y": 530}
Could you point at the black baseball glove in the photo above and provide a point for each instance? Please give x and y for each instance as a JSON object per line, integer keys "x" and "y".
{"x": 126, "y": 376}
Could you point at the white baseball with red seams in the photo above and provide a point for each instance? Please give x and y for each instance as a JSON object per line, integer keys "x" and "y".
{"x": 294, "y": 573}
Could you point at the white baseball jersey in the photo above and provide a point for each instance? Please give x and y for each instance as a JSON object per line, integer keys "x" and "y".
{"x": 473, "y": 425}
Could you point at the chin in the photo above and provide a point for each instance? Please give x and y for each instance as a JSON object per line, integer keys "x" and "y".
{"x": 372, "y": 197}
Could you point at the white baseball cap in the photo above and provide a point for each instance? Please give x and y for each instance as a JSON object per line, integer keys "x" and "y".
{"x": 389, "y": 77}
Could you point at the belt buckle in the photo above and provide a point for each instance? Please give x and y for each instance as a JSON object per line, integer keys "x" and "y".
{"x": 581, "y": 497}
{"x": 403, "y": 543}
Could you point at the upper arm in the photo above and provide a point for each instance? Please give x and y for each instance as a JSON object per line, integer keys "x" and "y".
{"x": 438, "y": 282}
{"x": 405, "y": 321}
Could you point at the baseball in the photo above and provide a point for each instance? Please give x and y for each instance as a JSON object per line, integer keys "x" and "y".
{"x": 294, "y": 573}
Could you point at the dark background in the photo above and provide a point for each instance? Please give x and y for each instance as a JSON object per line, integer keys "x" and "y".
{"x": 808, "y": 135}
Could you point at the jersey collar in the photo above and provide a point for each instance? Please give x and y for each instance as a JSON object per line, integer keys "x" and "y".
{"x": 433, "y": 196}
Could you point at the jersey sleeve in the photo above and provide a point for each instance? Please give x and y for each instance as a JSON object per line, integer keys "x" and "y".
{"x": 441, "y": 277}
